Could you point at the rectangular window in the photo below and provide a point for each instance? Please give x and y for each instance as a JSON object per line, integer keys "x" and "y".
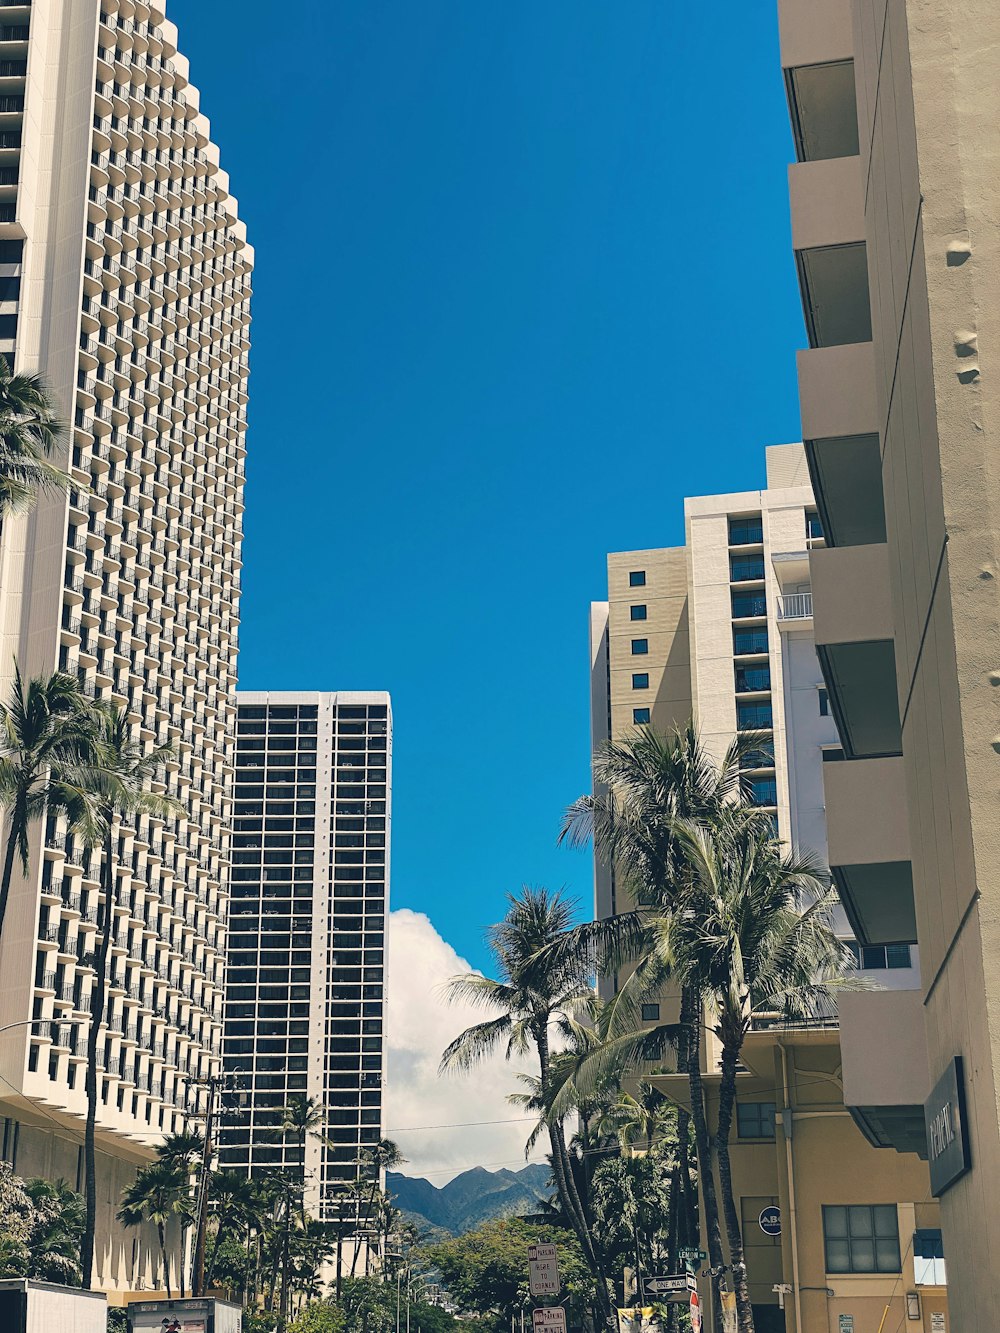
{"x": 640, "y": 716}
{"x": 928, "y": 1258}
{"x": 635, "y": 612}
{"x": 746, "y": 568}
{"x": 861, "y": 1238}
{"x": 749, "y": 679}
{"x": 747, "y": 604}
{"x": 880, "y": 957}
{"x": 640, "y": 647}
{"x": 755, "y": 1120}
{"x": 750, "y": 640}
{"x": 640, "y": 680}
{"x": 637, "y": 578}
{"x": 746, "y": 531}
{"x": 763, "y": 791}
{"x": 814, "y": 527}
{"x": 754, "y": 717}
{"x": 650, "y": 1013}
{"x": 824, "y": 703}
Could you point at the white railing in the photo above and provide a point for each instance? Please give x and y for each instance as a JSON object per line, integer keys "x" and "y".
{"x": 795, "y": 606}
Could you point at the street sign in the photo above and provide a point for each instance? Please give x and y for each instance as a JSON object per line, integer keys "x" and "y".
{"x": 695, "y": 1313}
{"x": 845, "y": 1323}
{"x": 694, "y": 1255}
{"x": 551, "y": 1320}
{"x": 661, "y": 1286}
{"x": 543, "y": 1270}
{"x": 770, "y": 1221}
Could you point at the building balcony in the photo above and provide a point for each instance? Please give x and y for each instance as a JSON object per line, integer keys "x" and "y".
{"x": 886, "y": 1095}
{"x": 854, "y": 642}
{"x": 817, "y": 55}
{"x": 868, "y": 840}
{"x": 794, "y": 606}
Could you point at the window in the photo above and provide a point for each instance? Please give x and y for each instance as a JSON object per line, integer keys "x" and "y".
{"x": 637, "y": 578}
{"x": 928, "y": 1258}
{"x": 746, "y": 531}
{"x": 814, "y": 527}
{"x": 747, "y": 604}
{"x": 751, "y": 717}
{"x": 755, "y": 678}
{"x": 832, "y": 754}
{"x": 635, "y": 612}
{"x": 755, "y": 1120}
{"x": 750, "y": 640}
{"x": 640, "y": 647}
{"x": 746, "y": 568}
{"x": 880, "y": 957}
{"x": 640, "y": 680}
{"x": 824, "y": 703}
{"x": 640, "y": 716}
{"x": 650, "y": 1013}
{"x": 861, "y": 1238}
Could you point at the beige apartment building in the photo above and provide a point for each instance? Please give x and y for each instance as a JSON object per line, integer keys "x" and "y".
{"x": 125, "y": 280}
{"x": 895, "y": 108}
{"x": 722, "y": 630}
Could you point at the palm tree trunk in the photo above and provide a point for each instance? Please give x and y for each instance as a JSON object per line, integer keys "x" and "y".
{"x": 96, "y": 1018}
{"x": 689, "y": 1016}
{"x": 161, "y": 1233}
{"x": 8, "y": 869}
{"x": 283, "y": 1311}
{"x": 565, "y": 1186}
{"x": 734, "y": 1235}
{"x": 340, "y": 1259}
{"x": 706, "y": 1173}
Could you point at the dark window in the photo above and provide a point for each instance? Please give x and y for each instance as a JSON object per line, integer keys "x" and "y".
{"x": 640, "y": 680}
{"x": 640, "y": 716}
{"x": 747, "y": 604}
{"x": 750, "y": 640}
{"x": 746, "y": 568}
{"x": 749, "y": 679}
{"x": 637, "y": 612}
{"x": 814, "y": 527}
{"x": 746, "y": 531}
{"x": 10, "y": 289}
{"x": 637, "y": 578}
{"x": 861, "y": 1238}
{"x": 832, "y": 754}
{"x": 824, "y": 703}
{"x": 8, "y": 326}
{"x": 879, "y": 957}
{"x": 755, "y": 1120}
{"x": 640, "y": 647}
{"x": 10, "y": 252}
{"x": 751, "y": 717}
{"x": 650, "y": 1013}
{"x": 763, "y": 791}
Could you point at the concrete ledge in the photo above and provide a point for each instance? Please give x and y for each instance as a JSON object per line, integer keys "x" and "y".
{"x": 851, "y": 598}
{"x": 815, "y": 31}
{"x": 837, "y": 391}
{"x": 827, "y": 202}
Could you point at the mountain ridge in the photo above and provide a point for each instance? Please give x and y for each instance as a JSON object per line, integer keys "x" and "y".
{"x": 470, "y": 1198}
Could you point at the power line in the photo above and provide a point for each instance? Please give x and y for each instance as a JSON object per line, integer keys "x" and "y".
{"x": 463, "y": 1124}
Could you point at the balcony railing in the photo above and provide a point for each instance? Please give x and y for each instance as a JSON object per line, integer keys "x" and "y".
{"x": 795, "y": 606}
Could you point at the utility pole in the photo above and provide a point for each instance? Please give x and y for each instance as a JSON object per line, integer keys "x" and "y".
{"x": 216, "y": 1083}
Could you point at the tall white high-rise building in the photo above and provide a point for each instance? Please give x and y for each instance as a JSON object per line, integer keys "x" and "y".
{"x": 720, "y": 631}
{"x": 125, "y": 280}
{"x": 305, "y": 990}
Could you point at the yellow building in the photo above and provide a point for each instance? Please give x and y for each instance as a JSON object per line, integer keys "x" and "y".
{"x": 859, "y": 1231}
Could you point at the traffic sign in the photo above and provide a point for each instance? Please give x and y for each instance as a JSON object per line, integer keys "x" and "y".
{"x": 695, "y": 1313}
{"x": 543, "y": 1270}
{"x": 692, "y": 1254}
{"x": 550, "y": 1320}
{"x": 770, "y": 1221}
{"x": 662, "y": 1286}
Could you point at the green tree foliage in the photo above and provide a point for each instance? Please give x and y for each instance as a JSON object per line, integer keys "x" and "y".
{"x": 320, "y": 1317}
{"x": 29, "y": 428}
{"x": 486, "y": 1270}
{"x": 41, "y": 1223}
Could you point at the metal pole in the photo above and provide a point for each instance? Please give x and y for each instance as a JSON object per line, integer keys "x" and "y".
{"x": 198, "y": 1276}
{"x": 399, "y": 1277}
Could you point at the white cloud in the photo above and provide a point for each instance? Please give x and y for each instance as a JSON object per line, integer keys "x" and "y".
{"x": 421, "y": 1023}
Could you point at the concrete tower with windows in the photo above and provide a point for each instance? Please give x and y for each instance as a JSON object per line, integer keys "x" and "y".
{"x": 125, "y": 280}
{"x": 305, "y": 996}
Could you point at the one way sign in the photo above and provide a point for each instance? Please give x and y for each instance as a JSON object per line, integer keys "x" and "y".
{"x": 664, "y": 1286}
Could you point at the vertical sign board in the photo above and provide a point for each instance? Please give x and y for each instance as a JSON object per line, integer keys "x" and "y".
{"x": 551, "y": 1320}
{"x": 845, "y": 1323}
{"x": 938, "y": 1322}
{"x": 947, "y": 1129}
{"x": 543, "y": 1270}
{"x": 695, "y": 1313}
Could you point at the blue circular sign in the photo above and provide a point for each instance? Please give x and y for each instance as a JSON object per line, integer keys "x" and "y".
{"x": 770, "y": 1221}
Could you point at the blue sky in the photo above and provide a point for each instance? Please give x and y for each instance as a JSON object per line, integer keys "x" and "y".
{"x": 523, "y": 282}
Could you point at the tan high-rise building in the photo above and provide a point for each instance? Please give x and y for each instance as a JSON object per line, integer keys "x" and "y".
{"x": 895, "y": 108}
{"x": 125, "y": 280}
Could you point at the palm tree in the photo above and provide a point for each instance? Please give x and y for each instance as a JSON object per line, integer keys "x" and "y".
{"x": 183, "y": 1148}
{"x": 743, "y": 942}
{"x": 115, "y": 785}
{"x": 644, "y": 784}
{"x": 527, "y": 1001}
{"x": 44, "y": 729}
{"x": 235, "y": 1197}
{"x": 383, "y": 1157}
{"x": 159, "y": 1192}
{"x": 58, "y": 1225}
{"x": 29, "y": 428}
{"x": 302, "y": 1118}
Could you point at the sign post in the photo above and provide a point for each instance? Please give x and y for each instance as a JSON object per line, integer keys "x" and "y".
{"x": 695, "y": 1313}
{"x": 549, "y": 1319}
{"x": 543, "y": 1270}
{"x": 672, "y": 1284}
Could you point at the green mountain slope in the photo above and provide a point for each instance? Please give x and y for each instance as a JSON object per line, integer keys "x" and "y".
{"x": 473, "y": 1197}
